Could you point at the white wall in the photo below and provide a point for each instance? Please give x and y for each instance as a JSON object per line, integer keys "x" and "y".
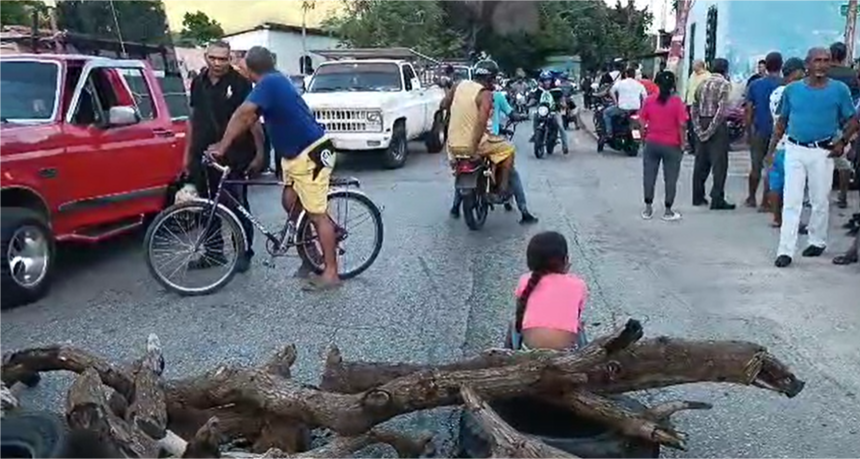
{"x": 287, "y": 46}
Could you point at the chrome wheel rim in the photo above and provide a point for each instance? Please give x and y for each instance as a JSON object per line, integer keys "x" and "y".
{"x": 28, "y": 255}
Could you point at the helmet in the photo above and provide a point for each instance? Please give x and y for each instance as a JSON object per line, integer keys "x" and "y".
{"x": 486, "y": 68}
{"x": 546, "y": 75}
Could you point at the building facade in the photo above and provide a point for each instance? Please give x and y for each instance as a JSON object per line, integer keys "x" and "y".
{"x": 747, "y": 30}
{"x": 285, "y": 42}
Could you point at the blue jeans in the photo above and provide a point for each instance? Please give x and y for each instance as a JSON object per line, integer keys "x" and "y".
{"x": 516, "y": 185}
{"x": 608, "y": 113}
{"x": 561, "y": 132}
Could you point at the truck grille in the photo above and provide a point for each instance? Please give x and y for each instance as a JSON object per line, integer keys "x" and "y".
{"x": 342, "y": 120}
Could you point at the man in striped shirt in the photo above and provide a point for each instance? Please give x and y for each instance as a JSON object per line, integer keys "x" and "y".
{"x": 708, "y": 114}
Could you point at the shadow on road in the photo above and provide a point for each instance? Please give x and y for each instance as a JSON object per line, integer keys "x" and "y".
{"x": 73, "y": 259}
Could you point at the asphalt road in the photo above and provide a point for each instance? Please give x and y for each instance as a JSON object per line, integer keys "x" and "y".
{"x": 439, "y": 291}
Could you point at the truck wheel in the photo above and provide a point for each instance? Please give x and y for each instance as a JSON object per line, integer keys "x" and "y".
{"x": 435, "y": 139}
{"x": 27, "y": 247}
{"x": 395, "y": 156}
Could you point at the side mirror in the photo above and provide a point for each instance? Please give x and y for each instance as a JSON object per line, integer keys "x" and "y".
{"x": 122, "y": 116}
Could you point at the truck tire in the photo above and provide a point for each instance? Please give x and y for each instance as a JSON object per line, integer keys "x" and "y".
{"x": 26, "y": 244}
{"x": 33, "y": 434}
{"x": 557, "y": 428}
{"x": 435, "y": 139}
{"x": 394, "y": 156}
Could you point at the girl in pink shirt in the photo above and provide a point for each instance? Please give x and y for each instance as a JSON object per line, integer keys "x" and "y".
{"x": 664, "y": 119}
{"x": 549, "y": 299}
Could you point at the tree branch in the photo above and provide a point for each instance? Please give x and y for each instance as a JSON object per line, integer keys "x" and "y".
{"x": 148, "y": 408}
{"x": 664, "y": 411}
{"x": 506, "y": 441}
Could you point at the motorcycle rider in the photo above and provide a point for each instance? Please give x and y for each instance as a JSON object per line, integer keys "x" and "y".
{"x": 470, "y": 106}
{"x": 567, "y": 90}
{"x": 544, "y": 94}
{"x": 627, "y": 95}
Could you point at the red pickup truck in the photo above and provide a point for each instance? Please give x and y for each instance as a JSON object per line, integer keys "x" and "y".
{"x": 88, "y": 150}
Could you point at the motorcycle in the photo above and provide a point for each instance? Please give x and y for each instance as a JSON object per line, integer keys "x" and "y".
{"x": 626, "y": 133}
{"x": 570, "y": 113}
{"x": 475, "y": 180}
{"x": 546, "y": 131}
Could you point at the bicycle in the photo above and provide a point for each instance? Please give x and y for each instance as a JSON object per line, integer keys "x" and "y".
{"x": 196, "y": 219}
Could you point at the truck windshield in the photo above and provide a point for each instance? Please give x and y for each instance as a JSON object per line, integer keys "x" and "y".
{"x": 28, "y": 90}
{"x": 356, "y": 77}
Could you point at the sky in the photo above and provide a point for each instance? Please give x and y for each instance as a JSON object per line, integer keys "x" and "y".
{"x": 237, "y": 15}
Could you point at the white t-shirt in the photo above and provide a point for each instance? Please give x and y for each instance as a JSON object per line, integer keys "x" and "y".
{"x": 775, "y": 99}
{"x": 630, "y": 93}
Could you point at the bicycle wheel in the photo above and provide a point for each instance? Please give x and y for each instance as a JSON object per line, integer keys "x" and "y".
{"x": 354, "y": 215}
{"x": 181, "y": 264}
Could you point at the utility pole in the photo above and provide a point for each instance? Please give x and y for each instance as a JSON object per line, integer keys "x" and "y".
{"x": 676, "y": 50}
{"x": 850, "y": 27}
{"x": 307, "y": 5}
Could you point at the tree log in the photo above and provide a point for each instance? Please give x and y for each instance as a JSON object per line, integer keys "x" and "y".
{"x": 664, "y": 411}
{"x": 506, "y": 441}
{"x": 207, "y": 442}
{"x": 148, "y": 408}
{"x": 87, "y": 409}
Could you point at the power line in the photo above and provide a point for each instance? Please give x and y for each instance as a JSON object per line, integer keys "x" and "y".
{"x": 118, "y": 30}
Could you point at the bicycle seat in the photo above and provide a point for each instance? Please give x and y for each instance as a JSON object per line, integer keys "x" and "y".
{"x": 344, "y": 181}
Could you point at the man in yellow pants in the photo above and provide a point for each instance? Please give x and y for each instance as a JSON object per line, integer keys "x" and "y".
{"x": 471, "y": 107}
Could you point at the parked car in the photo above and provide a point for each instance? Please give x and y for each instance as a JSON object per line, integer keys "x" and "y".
{"x": 89, "y": 150}
{"x": 369, "y": 103}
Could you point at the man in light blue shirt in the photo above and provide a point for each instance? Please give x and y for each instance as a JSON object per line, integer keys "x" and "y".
{"x": 502, "y": 107}
{"x": 812, "y": 113}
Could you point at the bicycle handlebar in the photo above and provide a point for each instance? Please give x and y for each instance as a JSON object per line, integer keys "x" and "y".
{"x": 210, "y": 161}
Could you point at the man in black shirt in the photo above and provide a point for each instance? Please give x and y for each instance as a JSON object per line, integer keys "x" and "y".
{"x": 841, "y": 72}
{"x": 215, "y": 94}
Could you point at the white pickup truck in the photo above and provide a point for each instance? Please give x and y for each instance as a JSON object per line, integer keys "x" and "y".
{"x": 376, "y": 100}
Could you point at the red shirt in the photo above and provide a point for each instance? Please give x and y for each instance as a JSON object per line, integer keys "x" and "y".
{"x": 650, "y": 87}
{"x": 664, "y": 122}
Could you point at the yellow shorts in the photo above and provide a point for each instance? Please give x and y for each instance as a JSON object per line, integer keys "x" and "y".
{"x": 495, "y": 147}
{"x": 299, "y": 174}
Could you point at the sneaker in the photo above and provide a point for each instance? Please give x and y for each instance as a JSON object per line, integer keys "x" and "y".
{"x": 671, "y": 216}
{"x": 648, "y": 213}
{"x": 722, "y": 205}
{"x": 813, "y": 251}
{"x": 782, "y": 261}
{"x": 455, "y": 212}
{"x": 528, "y": 219}
{"x": 244, "y": 263}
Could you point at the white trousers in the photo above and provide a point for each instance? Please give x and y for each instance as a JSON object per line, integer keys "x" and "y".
{"x": 805, "y": 166}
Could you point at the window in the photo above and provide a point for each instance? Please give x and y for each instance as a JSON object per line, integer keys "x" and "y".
{"x": 98, "y": 96}
{"x": 28, "y": 90}
{"x": 139, "y": 89}
{"x": 408, "y": 76}
{"x": 173, "y": 89}
{"x": 356, "y": 77}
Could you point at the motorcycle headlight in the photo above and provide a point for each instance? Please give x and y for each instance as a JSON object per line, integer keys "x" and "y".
{"x": 543, "y": 110}
{"x": 520, "y": 97}
{"x": 374, "y": 121}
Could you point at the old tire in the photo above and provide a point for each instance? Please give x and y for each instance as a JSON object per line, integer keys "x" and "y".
{"x": 394, "y": 157}
{"x": 33, "y": 434}
{"x": 28, "y": 250}
{"x": 557, "y": 428}
{"x": 435, "y": 139}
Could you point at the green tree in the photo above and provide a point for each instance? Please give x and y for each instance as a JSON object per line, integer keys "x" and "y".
{"x": 20, "y": 12}
{"x": 199, "y": 29}
{"x": 141, "y": 21}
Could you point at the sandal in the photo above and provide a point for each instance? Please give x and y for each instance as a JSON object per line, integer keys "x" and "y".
{"x": 846, "y": 259}
{"x": 318, "y": 284}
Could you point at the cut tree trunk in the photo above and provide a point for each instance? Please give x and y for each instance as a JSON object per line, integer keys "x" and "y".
{"x": 264, "y": 409}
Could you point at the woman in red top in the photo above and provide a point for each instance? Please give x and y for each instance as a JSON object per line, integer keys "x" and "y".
{"x": 663, "y": 117}
{"x": 650, "y": 87}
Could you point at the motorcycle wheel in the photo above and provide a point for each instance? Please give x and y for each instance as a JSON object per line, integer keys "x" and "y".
{"x": 538, "y": 144}
{"x": 632, "y": 148}
{"x": 475, "y": 210}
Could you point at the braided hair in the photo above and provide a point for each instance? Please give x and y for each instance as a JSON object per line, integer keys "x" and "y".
{"x": 546, "y": 254}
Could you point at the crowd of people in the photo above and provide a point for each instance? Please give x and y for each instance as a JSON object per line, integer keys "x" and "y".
{"x": 802, "y": 124}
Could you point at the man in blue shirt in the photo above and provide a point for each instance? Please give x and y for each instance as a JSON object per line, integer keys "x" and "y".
{"x": 308, "y": 154}
{"x": 811, "y": 114}
{"x": 760, "y": 123}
